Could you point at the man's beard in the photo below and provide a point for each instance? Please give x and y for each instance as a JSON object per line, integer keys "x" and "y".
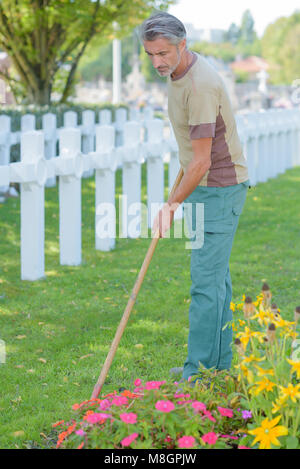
{"x": 167, "y": 71}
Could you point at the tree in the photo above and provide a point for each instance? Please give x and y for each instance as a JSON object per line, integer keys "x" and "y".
{"x": 243, "y": 37}
{"x": 98, "y": 60}
{"x": 46, "y": 39}
{"x": 280, "y": 47}
{"x": 233, "y": 34}
{"x": 224, "y": 51}
{"x": 247, "y": 33}
{"x": 290, "y": 54}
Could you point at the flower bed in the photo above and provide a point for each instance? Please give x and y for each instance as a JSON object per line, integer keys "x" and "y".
{"x": 155, "y": 415}
{"x": 255, "y": 405}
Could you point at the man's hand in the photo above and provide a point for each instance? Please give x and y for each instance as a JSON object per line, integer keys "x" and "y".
{"x": 163, "y": 220}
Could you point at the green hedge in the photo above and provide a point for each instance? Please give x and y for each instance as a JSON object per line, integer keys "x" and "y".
{"x": 16, "y": 112}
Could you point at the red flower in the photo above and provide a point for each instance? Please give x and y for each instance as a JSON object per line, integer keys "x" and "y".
{"x": 129, "y": 417}
{"x": 210, "y": 438}
{"x": 225, "y": 412}
{"x": 165, "y": 406}
{"x": 129, "y": 439}
{"x": 119, "y": 401}
{"x": 186, "y": 442}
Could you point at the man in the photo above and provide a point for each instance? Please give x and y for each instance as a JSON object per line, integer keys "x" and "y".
{"x": 215, "y": 174}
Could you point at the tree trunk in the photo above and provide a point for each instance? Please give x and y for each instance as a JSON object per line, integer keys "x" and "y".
{"x": 42, "y": 97}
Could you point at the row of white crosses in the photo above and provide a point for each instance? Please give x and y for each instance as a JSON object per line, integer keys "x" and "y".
{"x": 34, "y": 170}
{"x": 265, "y": 148}
{"x": 271, "y": 142}
{"x": 70, "y": 119}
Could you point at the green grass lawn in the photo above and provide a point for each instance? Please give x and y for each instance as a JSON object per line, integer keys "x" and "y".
{"x": 58, "y": 330}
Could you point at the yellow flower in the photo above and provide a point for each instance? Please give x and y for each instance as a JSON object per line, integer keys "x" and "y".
{"x": 245, "y": 336}
{"x": 286, "y": 326}
{"x": 258, "y": 301}
{"x": 268, "y": 433}
{"x": 232, "y": 306}
{"x": 246, "y": 372}
{"x": 260, "y": 336}
{"x": 295, "y": 367}
{"x": 262, "y": 316}
{"x": 289, "y": 333}
{"x": 253, "y": 358}
{"x": 264, "y": 385}
{"x": 240, "y": 305}
{"x": 291, "y": 391}
{"x": 263, "y": 372}
{"x": 278, "y": 405}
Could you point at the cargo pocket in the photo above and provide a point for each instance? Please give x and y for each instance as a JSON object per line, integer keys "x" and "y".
{"x": 218, "y": 226}
{"x": 239, "y": 202}
{"x": 216, "y": 219}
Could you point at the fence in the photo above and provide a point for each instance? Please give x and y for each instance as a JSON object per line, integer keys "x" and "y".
{"x": 271, "y": 143}
{"x": 8, "y": 138}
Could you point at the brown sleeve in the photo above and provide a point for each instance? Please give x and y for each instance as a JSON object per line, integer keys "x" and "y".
{"x": 203, "y": 108}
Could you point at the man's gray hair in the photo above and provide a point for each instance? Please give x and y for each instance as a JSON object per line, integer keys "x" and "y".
{"x": 162, "y": 25}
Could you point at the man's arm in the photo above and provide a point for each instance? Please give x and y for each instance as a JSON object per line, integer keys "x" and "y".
{"x": 195, "y": 171}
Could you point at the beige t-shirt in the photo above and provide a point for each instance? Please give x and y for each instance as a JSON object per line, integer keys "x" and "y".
{"x": 198, "y": 107}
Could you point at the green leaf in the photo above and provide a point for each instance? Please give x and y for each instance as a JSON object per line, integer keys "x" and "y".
{"x": 292, "y": 442}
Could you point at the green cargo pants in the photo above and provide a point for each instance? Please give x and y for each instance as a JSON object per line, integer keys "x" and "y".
{"x": 211, "y": 290}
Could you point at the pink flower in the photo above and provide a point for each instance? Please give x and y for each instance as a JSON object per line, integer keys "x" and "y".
{"x": 165, "y": 406}
{"x": 243, "y": 447}
{"x": 246, "y": 414}
{"x": 231, "y": 437}
{"x": 118, "y": 401}
{"x": 128, "y": 417}
{"x": 129, "y": 439}
{"x": 178, "y": 395}
{"x": 138, "y": 382}
{"x": 105, "y": 404}
{"x": 168, "y": 439}
{"x": 80, "y": 432}
{"x": 199, "y": 406}
{"x": 186, "y": 442}
{"x": 153, "y": 385}
{"x": 210, "y": 438}
{"x": 97, "y": 417}
{"x": 207, "y": 414}
{"x": 225, "y": 412}
{"x": 138, "y": 390}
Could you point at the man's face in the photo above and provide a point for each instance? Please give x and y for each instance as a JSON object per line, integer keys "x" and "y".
{"x": 165, "y": 57}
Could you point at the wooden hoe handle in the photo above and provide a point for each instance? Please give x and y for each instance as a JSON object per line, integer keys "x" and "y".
{"x": 130, "y": 303}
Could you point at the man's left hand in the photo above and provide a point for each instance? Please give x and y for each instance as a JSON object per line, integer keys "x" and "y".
{"x": 164, "y": 219}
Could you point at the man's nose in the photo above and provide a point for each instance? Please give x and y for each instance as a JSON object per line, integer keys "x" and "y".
{"x": 156, "y": 62}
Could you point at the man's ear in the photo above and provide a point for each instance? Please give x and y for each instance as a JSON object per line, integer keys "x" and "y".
{"x": 182, "y": 45}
